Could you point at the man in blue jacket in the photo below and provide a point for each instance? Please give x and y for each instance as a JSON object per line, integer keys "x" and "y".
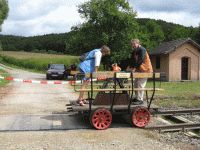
{"x": 91, "y": 64}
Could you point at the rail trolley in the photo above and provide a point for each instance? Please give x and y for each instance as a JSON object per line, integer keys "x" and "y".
{"x": 114, "y": 95}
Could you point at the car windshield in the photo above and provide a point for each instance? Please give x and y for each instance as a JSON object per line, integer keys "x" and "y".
{"x": 58, "y": 67}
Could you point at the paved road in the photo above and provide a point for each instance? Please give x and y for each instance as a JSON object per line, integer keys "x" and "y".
{"x": 41, "y": 122}
{"x": 68, "y": 121}
{"x": 29, "y": 106}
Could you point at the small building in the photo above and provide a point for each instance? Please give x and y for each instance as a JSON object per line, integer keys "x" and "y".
{"x": 178, "y": 60}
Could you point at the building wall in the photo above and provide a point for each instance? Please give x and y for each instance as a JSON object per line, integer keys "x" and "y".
{"x": 186, "y": 50}
{"x": 164, "y": 66}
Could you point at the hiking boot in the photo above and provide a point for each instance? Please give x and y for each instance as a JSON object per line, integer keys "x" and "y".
{"x": 137, "y": 102}
{"x": 134, "y": 100}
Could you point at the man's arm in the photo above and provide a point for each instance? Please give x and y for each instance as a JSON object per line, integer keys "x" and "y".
{"x": 97, "y": 57}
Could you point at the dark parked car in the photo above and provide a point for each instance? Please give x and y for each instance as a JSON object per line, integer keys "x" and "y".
{"x": 56, "y": 71}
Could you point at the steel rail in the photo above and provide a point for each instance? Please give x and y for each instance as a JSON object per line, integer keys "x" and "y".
{"x": 176, "y": 112}
{"x": 175, "y": 127}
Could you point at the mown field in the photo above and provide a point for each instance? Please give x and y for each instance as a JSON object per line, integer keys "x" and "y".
{"x": 178, "y": 94}
{"x": 35, "y": 61}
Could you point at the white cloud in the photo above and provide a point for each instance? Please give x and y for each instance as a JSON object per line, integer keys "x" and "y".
{"x": 191, "y": 6}
{"x": 37, "y": 17}
{"x": 34, "y": 17}
{"x": 174, "y": 17}
{"x": 182, "y": 12}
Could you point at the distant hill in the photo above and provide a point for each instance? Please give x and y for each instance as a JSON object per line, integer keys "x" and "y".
{"x": 169, "y": 27}
{"x": 56, "y": 43}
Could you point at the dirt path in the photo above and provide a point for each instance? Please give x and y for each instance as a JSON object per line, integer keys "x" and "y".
{"x": 29, "y": 98}
{"x": 36, "y": 99}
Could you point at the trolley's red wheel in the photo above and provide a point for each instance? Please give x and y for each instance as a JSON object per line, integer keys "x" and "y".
{"x": 101, "y": 118}
{"x": 140, "y": 117}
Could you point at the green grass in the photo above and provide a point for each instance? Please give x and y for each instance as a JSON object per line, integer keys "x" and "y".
{"x": 178, "y": 89}
{"x": 4, "y": 74}
{"x": 174, "y": 103}
{"x": 35, "y": 61}
{"x": 178, "y": 94}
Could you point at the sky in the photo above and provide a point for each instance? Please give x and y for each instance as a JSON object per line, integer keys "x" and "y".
{"x": 39, "y": 17}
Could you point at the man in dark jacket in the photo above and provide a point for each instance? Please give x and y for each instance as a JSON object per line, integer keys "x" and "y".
{"x": 140, "y": 62}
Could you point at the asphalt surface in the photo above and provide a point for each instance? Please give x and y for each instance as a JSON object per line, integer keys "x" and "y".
{"x": 38, "y": 107}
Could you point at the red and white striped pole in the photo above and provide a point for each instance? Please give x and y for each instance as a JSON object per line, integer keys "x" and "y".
{"x": 42, "y": 81}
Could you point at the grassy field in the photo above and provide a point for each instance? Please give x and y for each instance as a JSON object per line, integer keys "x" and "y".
{"x": 178, "y": 94}
{"x": 35, "y": 61}
{"x": 3, "y": 82}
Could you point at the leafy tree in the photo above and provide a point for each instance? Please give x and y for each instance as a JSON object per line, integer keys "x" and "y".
{"x": 179, "y": 32}
{"x": 1, "y": 46}
{"x": 155, "y": 33}
{"x": 3, "y": 11}
{"x": 170, "y": 30}
{"x": 110, "y": 22}
{"x": 197, "y": 35}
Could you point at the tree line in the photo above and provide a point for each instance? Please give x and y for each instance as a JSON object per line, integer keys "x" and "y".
{"x": 108, "y": 22}
{"x": 3, "y": 14}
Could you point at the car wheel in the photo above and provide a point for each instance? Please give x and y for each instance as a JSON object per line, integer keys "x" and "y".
{"x": 47, "y": 77}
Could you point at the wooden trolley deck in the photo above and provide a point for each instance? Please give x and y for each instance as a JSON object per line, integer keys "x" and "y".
{"x": 76, "y": 107}
{"x": 116, "y": 98}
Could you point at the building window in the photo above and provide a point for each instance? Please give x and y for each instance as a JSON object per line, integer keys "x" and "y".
{"x": 158, "y": 62}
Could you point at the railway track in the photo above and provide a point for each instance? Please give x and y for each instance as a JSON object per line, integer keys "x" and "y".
{"x": 175, "y": 122}
{"x": 176, "y": 127}
{"x": 177, "y": 112}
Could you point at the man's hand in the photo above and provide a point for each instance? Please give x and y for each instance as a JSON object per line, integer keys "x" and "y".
{"x": 96, "y": 68}
{"x": 130, "y": 69}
